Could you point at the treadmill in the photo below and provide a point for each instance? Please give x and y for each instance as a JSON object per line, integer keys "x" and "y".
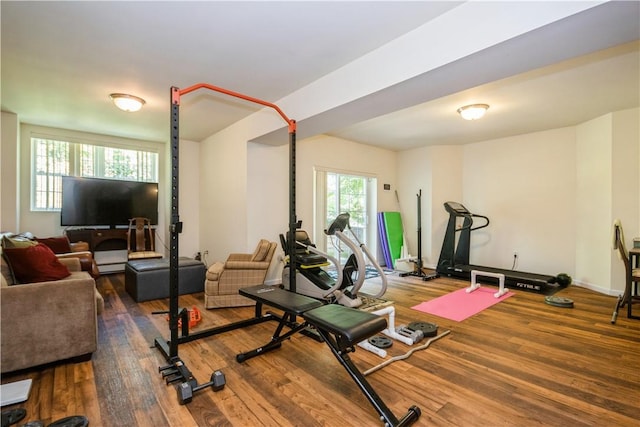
{"x": 454, "y": 259}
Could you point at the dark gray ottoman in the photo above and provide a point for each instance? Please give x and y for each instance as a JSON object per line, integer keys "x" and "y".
{"x": 148, "y": 279}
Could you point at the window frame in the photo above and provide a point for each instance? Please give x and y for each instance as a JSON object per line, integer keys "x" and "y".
{"x": 75, "y": 141}
{"x": 369, "y": 237}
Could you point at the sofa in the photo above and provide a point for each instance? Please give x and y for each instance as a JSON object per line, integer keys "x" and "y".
{"x": 63, "y": 248}
{"x": 224, "y": 279}
{"x": 47, "y": 321}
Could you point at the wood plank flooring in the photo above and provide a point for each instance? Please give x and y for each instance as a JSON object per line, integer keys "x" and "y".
{"x": 518, "y": 363}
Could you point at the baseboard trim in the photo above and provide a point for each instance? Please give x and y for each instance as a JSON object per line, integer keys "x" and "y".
{"x": 599, "y": 289}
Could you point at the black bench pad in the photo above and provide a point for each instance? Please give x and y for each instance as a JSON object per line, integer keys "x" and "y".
{"x": 350, "y": 324}
{"x": 281, "y": 299}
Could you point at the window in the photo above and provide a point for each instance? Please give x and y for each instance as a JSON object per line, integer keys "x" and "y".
{"x": 54, "y": 158}
{"x": 338, "y": 192}
{"x": 51, "y": 161}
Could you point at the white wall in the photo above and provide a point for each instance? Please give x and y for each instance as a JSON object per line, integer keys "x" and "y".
{"x": 437, "y": 171}
{"x": 347, "y": 156}
{"x": 526, "y": 186}
{"x": 223, "y": 195}
{"x": 9, "y": 167}
{"x": 268, "y": 183}
{"x": 414, "y": 174}
{"x": 594, "y": 201}
{"x": 625, "y": 194}
{"x": 551, "y": 196}
{"x": 607, "y": 154}
{"x": 268, "y": 199}
{"x": 446, "y": 185}
{"x": 225, "y": 214}
{"x": 190, "y": 196}
{"x": 268, "y": 192}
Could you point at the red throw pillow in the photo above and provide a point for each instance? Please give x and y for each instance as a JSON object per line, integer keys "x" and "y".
{"x": 35, "y": 264}
{"x": 59, "y": 245}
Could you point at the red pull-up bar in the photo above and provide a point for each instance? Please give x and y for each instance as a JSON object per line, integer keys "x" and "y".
{"x": 176, "y": 93}
{"x": 170, "y": 349}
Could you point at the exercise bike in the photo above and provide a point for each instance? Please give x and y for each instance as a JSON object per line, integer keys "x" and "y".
{"x": 312, "y": 279}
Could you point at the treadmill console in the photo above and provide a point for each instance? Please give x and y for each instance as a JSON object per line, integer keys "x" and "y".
{"x": 456, "y": 208}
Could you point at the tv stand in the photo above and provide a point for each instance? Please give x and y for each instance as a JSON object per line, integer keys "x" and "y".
{"x": 109, "y": 246}
{"x": 100, "y": 239}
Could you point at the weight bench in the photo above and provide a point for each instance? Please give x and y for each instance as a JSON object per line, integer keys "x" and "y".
{"x": 339, "y": 326}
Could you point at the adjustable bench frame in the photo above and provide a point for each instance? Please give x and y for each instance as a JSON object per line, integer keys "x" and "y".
{"x": 339, "y": 326}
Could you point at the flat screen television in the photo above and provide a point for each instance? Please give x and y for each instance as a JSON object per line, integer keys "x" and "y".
{"x": 106, "y": 202}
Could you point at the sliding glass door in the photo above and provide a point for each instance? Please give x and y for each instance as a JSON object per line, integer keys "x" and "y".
{"x": 339, "y": 192}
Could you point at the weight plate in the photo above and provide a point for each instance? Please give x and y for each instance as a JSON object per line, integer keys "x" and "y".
{"x": 428, "y": 329}
{"x": 380, "y": 341}
{"x": 73, "y": 421}
{"x": 559, "y": 301}
{"x": 13, "y": 416}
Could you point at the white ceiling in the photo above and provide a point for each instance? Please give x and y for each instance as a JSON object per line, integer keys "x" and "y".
{"x": 563, "y": 94}
{"x": 60, "y": 61}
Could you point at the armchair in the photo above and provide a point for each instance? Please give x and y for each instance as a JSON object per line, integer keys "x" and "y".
{"x": 223, "y": 279}
{"x": 78, "y": 250}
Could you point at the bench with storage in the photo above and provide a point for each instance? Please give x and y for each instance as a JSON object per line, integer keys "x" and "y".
{"x": 148, "y": 279}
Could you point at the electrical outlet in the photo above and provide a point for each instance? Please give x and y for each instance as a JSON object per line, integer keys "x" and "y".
{"x": 515, "y": 254}
{"x": 205, "y": 252}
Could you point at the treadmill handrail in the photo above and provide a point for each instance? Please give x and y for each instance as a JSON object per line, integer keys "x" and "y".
{"x": 456, "y": 209}
{"x": 470, "y": 216}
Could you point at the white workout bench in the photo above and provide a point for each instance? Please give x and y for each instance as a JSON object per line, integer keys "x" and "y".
{"x": 475, "y": 285}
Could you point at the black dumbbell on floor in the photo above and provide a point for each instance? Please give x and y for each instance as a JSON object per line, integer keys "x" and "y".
{"x": 186, "y": 389}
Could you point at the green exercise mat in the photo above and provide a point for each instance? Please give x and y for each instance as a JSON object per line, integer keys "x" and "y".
{"x": 393, "y": 228}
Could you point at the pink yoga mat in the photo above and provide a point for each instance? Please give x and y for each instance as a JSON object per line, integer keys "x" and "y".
{"x": 459, "y": 305}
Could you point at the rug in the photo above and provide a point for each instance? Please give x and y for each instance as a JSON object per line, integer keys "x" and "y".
{"x": 460, "y": 305}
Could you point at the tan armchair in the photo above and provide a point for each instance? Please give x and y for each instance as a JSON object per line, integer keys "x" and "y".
{"x": 223, "y": 279}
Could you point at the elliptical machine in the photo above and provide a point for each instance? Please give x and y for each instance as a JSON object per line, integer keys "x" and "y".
{"x": 314, "y": 281}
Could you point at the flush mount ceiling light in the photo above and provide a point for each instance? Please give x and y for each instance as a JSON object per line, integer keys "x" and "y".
{"x": 126, "y": 102}
{"x": 473, "y": 111}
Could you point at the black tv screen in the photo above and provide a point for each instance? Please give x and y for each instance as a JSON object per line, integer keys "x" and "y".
{"x": 96, "y": 202}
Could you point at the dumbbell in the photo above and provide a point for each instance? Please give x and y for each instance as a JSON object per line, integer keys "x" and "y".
{"x": 186, "y": 389}
{"x": 414, "y": 336}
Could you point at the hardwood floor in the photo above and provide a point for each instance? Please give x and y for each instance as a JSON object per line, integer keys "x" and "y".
{"x": 518, "y": 363}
